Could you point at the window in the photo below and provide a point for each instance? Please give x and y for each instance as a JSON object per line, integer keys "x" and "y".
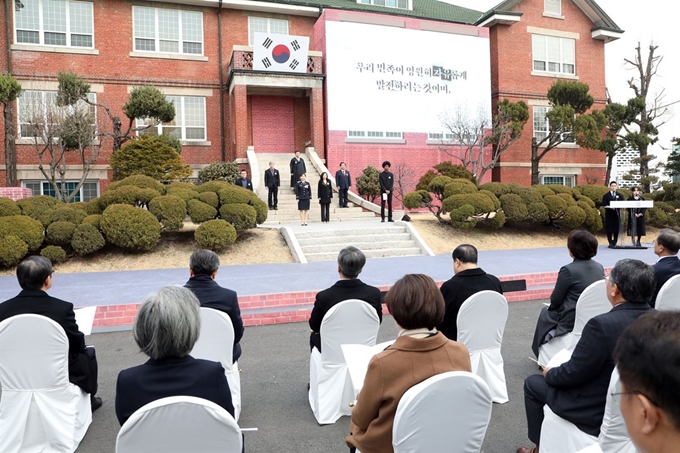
{"x": 39, "y": 108}
{"x": 168, "y": 30}
{"x": 88, "y": 191}
{"x": 553, "y": 7}
{"x": 562, "y": 180}
{"x": 264, "y": 25}
{"x": 542, "y": 125}
{"x": 552, "y": 54}
{"x": 63, "y": 23}
{"x": 401, "y": 4}
{"x": 449, "y": 137}
{"x": 189, "y": 122}
{"x": 373, "y": 135}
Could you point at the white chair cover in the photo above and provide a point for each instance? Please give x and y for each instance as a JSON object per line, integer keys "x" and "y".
{"x": 669, "y": 295}
{"x": 613, "y": 434}
{"x": 481, "y": 323}
{"x": 330, "y": 387}
{"x": 216, "y": 343}
{"x": 592, "y": 302}
{"x": 448, "y": 412}
{"x": 180, "y": 424}
{"x": 40, "y": 410}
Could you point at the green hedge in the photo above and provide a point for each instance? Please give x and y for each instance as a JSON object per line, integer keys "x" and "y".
{"x": 87, "y": 239}
{"x": 241, "y": 216}
{"x": 140, "y": 181}
{"x": 184, "y": 194}
{"x": 210, "y": 198}
{"x": 12, "y": 250}
{"x": 200, "y": 212}
{"x": 54, "y": 253}
{"x": 215, "y": 235}
{"x": 34, "y": 206}
{"x": 94, "y": 220}
{"x": 130, "y": 228}
{"x": 9, "y": 207}
{"x": 215, "y": 186}
{"x": 67, "y": 214}
{"x": 514, "y": 208}
{"x": 25, "y": 228}
{"x": 170, "y": 211}
{"x": 60, "y": 233}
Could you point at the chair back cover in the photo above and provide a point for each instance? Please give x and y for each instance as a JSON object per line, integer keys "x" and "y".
{"x": 669, "y": 295}
{"x": 561, "y": 436}
{"x": 613, "y": 433}
{"x": 448, "y": 412}
{"x": 180, "y": 424}
{"x": 592, "y": 302}
{"x": 330, "y": 387}
{"x": 216, "y": 343}
{"x": 481, "y": 323}
{"x": 40, "y": 410}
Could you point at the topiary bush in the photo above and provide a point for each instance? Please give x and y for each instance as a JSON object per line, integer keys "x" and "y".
{"x": 235, "y": 194}
{"x": 130, "y": 228}
{"x": 25, "y": 228}
{"x": 9, "y": 207}
{"x": 241, "y": 216}
{"x": 82, "y": 205}
{"x": 94, "y": 220}
{"x": 574, "y": 216}
{"x": 170, "y": 211}
{"x": 12, "y": 250}
{"x": 514, "y": 208}
{"x": 425, "y": 180}
{"x": 184, "y": 194}
{"x": 556, "y": 206}
{"x": 538, "y": 212}
{"x": 141, "y": 181}
{"x": 480, "y": 203}
{"x": 261, "y": 209}
{"x": 34, "y": 206}
{"x": 455, "y": 171}
{"x": 200, "y": 212}
{"x": 494, "y": 199}
{"x": 496, "y": 188}
{"x": 657, "y": 218}
{"x": 67, "y": 214}
{"x": 461, "y": 218}
{"x": 93, "y": 207}
{"x": 215, "y": 186}
{"x": 438, "y": 184}
{"x": 87, "y": 239}
{"x": 559, "y": 188}
{"x": 219, "y": 171}
{"x": 498, "y": 220}
{"x": 529, "y": 195}
{"x": 54, "y": 253}
{"x": 415, "y": 200}
{"x": 149, "y": 155}
{"x": 210, "y": 198}
{"x": 595, "y": 193}
{"x": 60, "y": 233}
{"x": 122, "y": 195}
{"x": 459, "y": 186}
{"x": 215, "y": 235}
{"x": 181, "y": 185}
{"x": 568, "y": 198}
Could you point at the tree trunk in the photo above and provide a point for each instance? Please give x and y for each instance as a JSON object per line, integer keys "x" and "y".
{"x": 608, "y": 174}
{"x": 10, "y": 150}
{"x": 535, "y": 180}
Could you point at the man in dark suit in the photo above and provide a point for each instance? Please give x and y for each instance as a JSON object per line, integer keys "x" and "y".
{"x": 468, "y": 279}
{"x": 272, "y": 180}
{"x": 244, "y": 182}
{"x": 344, "y": 181}
{"x": 35, "y": 276}
{"x": 577, "y": 390}
{"x": 203, "y": 267}
{"x": 611, "y": 215}
{"x": 666, "y": 247}
{"x": 386, "y": 180}
{"x": 351, "y": 261}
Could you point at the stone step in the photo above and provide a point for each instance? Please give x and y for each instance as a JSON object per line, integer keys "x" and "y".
{"x": 328, "y": 240}
{"x": 350, "y": 233}
{"x": 384, "y": 253}
{"x": 363, "y": 244}
{"x": 333, "y": 209}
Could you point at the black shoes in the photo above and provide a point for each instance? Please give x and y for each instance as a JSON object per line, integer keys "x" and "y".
{"x": 95, "y": 403}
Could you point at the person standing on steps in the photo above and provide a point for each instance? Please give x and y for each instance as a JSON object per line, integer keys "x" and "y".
{"x": 325, "y": 191}
{"x": 244, "y": 182}
{"x": 344, "y": 181}
{"x": 303, "y": 193}
{"x": 611, "y": 215}
{"x": 386, "y": 180}
{"x": 297, "y": 168}
{"x": 272, "y": 180}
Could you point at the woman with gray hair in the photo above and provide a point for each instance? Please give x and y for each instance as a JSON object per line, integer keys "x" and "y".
{"x": 167, "y": 326}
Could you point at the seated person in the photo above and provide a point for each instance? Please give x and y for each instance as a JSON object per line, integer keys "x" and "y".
{"x": 558, "y": 319}
{"x": 648, "y": 358}
{"x": 351, "y": 261}
{"x": 577, "y": 390}
{"x": 166, "y": 328}
{"x": 666, "y": 247}
{"x": 419, "y": 352}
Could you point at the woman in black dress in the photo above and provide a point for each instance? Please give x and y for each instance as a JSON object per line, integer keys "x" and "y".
{"x": 303, "y": 193}
{"x": 636, "y": 216}
{"x": 325, "y": 196}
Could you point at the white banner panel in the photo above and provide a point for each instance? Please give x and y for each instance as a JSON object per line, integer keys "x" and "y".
{"x": 285, "y": 53}
{"x": 383, "y": 78}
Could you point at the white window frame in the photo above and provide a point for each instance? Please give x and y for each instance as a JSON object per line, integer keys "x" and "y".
{"x": 67, "y": 25}
{"x": 180, "y": 121}
{"x": 157, "y": 38}
{"x": 552, "y": 7}
{"x": 397, "y": 4}
{"x": 546, "y": 131}
{"x": 274, "y": 26}
{"x": 376, "y": 135}
{"x": 567, "y": 180}
{"x": 45, "y": 187}
{"x": 566, "y": 60}
{"x": 44, "y": 108}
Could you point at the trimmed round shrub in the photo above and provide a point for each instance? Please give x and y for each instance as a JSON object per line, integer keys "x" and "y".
{"x": 12, "y": 250}
{"x": 45, "y": 217}
{"x": 455, "y": 171}
{"x": 141, "y": 181}
{"x": 184, "y": 194}
{"x": 94, "y": 220}
{"x": 568, "y": 198}
{"x": 215, "y": 235}
{"x": 200, "y": 212}
{"x": 25, "y": 228}
{"x": 235, "y": 194}
{"x": 426, "y": 179}
{"x": 665, "y": 207}
{"x": 556, "y": 206}
{"x": 481, "y": 204}
{"x": 210, "y": 198}
{"x": 574, "y": 216}
{"x": 241, "y": 216}
{"x": 496, "y": 188}
{"x": 530, "y": 195}
{"x": 415, "y": 200}
{"x": 87, "y": 239}
{"x": 514, "y": 208}
{"x": 461, "y": 218}
{"x": 595, "y": 193}
{"x": 67, "y": 214}
{"x": 9, "y": 207}
{"x": 170, "y": 211}
{"x": 219, "y": 171}
{"x": 181, "y": 185}
{"x": 130, "y": 228}
{"x": 459, "y": 186}
{"x": 586, "y": 200}
{"x": 438, "y": 184}
{"x": 494, "y": 199}
{"x": 54, "y": 253}
{"x": 260, "y": 208}
{"x": 593, "y": 221}
{"x": 538, "y": 212}
{"x": 657, "y": 218}
{"x": 544, "y": 190}
{"x": 498, "y": 220}
{"x": 93, "y": 207}
{"x": 123, "y": 195}
{"x": 82, "y": 205}
{"x": 144, "y": 196}
{"x": 34, "y": 206}
{"x": 61, "y": 232}
{"x": 559, "y": 188}
{"x": 215, "y": 186}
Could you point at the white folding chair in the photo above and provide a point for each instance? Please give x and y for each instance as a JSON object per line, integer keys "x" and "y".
{"x": 447, "y": 412}
{"x": 669, "y": 295}
{"x": 330, "y": 387}
{"x": 40, "y": 410}
{"x": 481, "y": 323}
{"x": 614, "y": 436}
{"x": 180, "y": 424}
{"x": 216, "y": 343}
{"x": 592, "y": 302}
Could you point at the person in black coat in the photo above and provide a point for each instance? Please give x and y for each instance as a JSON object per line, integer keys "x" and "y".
{"x": 577, "y": 390}
{"x": 666, "y": 247}
{"x": 386, "y": 180}
{"x": 611, "y": 215}
{"x": 303, "y": 194}
{"x": 468, "y": 279}
{"x": 35, "y": 277}
{"x": 244, "y": 182}
{"x": 351, "y": 261}
{"x": 325, "y": 191}
{"x": 344, "y": 181}
{"x": 272, "y": 180}
{"x": 166, "y": 328}
{"x": 297, "y": 168}
{"x": 203, "y": 267}
{"x": 636, "y": 217}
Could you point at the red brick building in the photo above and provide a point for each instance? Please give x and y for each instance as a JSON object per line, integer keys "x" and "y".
{"x": 200, "y": 54}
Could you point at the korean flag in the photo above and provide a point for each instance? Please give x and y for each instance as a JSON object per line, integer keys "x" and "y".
{"x": 283, "y": 53}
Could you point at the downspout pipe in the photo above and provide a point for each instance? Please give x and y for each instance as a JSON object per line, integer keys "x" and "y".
{"x": 221, "y": 78}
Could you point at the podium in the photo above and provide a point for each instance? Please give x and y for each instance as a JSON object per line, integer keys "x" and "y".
{"x": 620, "y": 207}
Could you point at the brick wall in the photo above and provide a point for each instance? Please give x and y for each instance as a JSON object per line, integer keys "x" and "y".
{"x": 273, "y": 124}
{"x": 15, "y": 193}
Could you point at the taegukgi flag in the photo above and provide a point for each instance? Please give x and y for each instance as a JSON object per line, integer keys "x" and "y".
{"x": 285, "y": 53}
